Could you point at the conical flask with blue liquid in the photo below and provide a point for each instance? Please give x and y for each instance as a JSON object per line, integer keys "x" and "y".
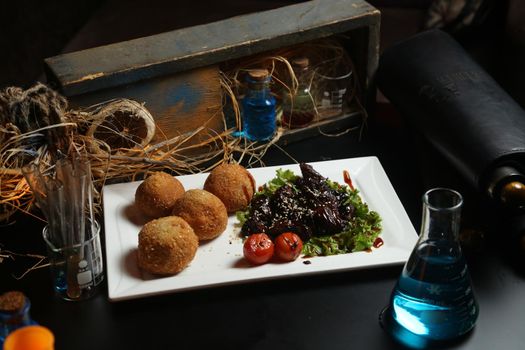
{"x": 433, "y": 298}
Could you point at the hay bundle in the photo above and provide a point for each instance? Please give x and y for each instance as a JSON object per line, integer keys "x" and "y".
{"x": 37, "y": 126}
{"x": 32, "y": 127}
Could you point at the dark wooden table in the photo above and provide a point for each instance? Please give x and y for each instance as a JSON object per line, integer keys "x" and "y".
{"x": 328, "y": 311}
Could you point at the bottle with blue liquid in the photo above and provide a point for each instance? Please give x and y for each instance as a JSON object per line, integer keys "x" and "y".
{"x": 14, "y": 313}
{"x": 258, "y": 107}
{"x": 433, "y": 298}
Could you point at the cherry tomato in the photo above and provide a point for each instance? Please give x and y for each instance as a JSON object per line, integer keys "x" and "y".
{"x": 258, "y": 248}
{"x": 288, "y": 246}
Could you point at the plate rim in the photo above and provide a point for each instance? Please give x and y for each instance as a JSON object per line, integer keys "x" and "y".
{"x": 116, "y": 293}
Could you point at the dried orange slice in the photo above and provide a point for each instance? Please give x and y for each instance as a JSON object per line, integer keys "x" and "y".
{"x": 123, "y": 124}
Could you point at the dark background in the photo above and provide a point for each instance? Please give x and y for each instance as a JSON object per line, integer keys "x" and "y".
{"x": 32, "y": 30}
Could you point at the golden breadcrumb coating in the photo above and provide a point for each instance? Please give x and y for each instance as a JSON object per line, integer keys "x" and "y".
{"x": 166, "y": 246}
{"x": 233, "y": 184}
{"x": 205, "y": 213}
{"x": 157, "y": 194}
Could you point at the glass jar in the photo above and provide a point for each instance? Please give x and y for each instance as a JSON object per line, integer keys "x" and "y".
{"x": 298, "y": 105}
{"x": 331, "y": 89}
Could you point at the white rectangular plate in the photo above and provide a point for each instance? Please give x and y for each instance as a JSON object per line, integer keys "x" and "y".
{"x": 220, "y": 261}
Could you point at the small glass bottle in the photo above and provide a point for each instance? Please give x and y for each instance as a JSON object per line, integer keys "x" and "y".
{"x": 258, "y": 107}
{"x": 14, "y": 313}
{"x": 298, "y": 106}
{"x": 433, "y": 298}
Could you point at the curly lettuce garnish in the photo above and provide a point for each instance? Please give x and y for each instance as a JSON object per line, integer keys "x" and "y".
{"x": 282, "y": 177}
{"x": 359, "y": 234}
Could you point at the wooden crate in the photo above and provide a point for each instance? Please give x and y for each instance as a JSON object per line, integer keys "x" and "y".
{"x": 176, "y": 73}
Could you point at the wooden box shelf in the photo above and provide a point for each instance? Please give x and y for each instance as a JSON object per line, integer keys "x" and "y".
{"x": 171, "y": 72}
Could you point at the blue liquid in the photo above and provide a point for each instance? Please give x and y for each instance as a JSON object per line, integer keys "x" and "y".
{"x": 61, "y": 283}
{"x": 258, "y": 115}
{"x": 433, "y": 297}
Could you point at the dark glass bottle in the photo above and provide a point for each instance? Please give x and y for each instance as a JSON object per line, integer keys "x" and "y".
{"x": 258, "y": 107}
{"x": 298, "y": 106}
{"x": 506, "y": 185}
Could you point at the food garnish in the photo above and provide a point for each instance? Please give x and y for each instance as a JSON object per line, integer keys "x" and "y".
{"x": 328, "y": 217}
{"x": 258, "y": 249}
{"x": 288, "y": 246}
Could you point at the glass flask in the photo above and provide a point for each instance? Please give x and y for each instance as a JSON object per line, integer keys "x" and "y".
{"x": 332, "y": 86}
{"x": 433, "y": 298}
{"x": 298, "y": 106}
{"x": 258, "y": 107}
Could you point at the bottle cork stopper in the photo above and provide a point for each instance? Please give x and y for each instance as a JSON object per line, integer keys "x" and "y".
{"x": 258, "y": 74}
{"x": 12, "y": 301}
{"x": 30, "y": 338}
{"x": 300, "y": 62}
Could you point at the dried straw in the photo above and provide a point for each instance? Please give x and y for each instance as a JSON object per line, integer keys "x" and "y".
{"x": 36, "y": 126}
{"x": 176, "y": 155}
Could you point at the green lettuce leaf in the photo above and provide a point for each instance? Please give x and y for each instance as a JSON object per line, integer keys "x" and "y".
{"x": 359, "y": 234}
{"x": 282, "y": 178}
{"x": 242, "y": 216}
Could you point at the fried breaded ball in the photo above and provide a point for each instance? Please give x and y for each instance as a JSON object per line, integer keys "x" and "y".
{"x": 166, "y": 245}
{"x": 233, "y": 184}
{"x": 157, "y": 194}
{"x": 205, "y": 213}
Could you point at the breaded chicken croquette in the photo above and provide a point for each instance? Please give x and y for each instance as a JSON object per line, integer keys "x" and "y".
{"x": 233, "y": 184}
{"x": 166, "y": 245}
{"x": 205, "y": 213}
{"x": 157, "y": 194}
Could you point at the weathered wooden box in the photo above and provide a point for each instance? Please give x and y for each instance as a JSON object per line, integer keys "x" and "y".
{"x": 176, "y": 73}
